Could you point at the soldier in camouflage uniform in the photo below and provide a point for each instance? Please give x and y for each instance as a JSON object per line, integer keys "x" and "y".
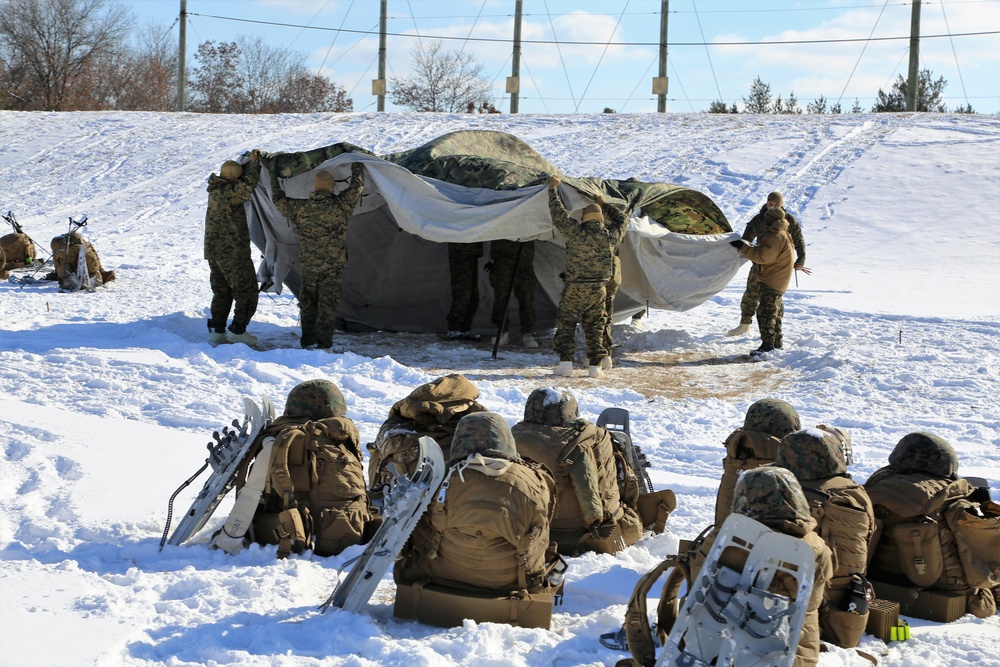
{"x": 589, "y": 266}
{"x": 227, "y": 249}
{"x": 773, "y": 257}
{"x": 503, "y": 254}
{"x": 753, "y": 445}
{"x": 754, "y": 228}
{"x": 818, "y": 457}
{"x": 463, "y": 265}
{"x": 616, "y": 230}
{"x": 321, "y": 227}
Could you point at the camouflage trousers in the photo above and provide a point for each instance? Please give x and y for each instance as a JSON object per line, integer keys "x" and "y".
{"x": 319, "y": 297}
{"x": 751, "y": 297}
{"x": 232, "y": 282}
{"x": 611, "y": 290}
{"x": 463, "y": 263}
{"x": 503, "y": 254}
{"x": 581, "y": 302}
{"x": 769, "y": 313}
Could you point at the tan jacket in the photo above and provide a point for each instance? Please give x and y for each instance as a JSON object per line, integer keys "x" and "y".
{"x": 774, "y": 256}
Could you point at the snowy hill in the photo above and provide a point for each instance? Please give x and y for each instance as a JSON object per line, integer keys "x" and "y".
{"x": 111, "y": 396}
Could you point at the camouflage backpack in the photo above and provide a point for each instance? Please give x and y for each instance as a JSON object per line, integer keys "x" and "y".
{"x": 930, "y": 529}
{"x": 16, "y": 251}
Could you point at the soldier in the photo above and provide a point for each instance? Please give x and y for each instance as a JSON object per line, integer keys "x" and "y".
{"x": 617, "y": 234}
{"x": 590, "y": 513}
{"x": 227, "y": 249}
{"x": 753, "y": 445}
{"x": 818, "y": 457}
{"x": 503, "y": 254}
{"x": 432, "y": 409}
{"x": 773, "y": 255}
{"x": 486, "y": 533}
{"x": 589, "y": 266}
{"x": 321, "y": 227}
{"x": 463, "y": 265}
{"x": 754, "y": 228}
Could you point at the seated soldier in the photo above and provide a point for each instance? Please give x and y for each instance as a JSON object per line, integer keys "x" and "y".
{"x": 432, "y": 409}
{"x": 931, "y": 532}
{"x": 313, "y": 493}
{"x": 590, "y": 513}
{"x": 753, "y": 445}
{"x": 486, "y": 533}
{"x": 66, "y": 251}
{"x": 818, "y": 457}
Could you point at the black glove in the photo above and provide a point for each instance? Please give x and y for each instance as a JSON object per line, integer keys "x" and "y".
{"x": 488, "y": 266}
{"x": 739, "y": 243}
{"x": 604, "y": 529}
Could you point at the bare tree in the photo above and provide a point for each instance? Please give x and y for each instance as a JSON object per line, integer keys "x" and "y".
{"x": 214, "y": 80}
{"x": 760, "y": 97}
{"x": 261, "y": 72}
{"x": 303, "y": 92}
{"x": 440, "y": 81}
{"x": 47, "y": 46}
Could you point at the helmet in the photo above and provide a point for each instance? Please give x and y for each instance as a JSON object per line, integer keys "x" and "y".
{"x": 844, "y": 438}
{"x": 485, "y": 433}
{"x": 924, "y": 452}
{"x": 770, "y": 494}
{"x": 315, "y": 399}
{"x": 231, "y": 170}
{"x": 811, "y": 453}
{"x": 551, "y": 407}
{"x": 773, "y": 417}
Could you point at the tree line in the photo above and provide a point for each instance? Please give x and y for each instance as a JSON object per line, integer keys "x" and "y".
{"x": 80, "y": 55}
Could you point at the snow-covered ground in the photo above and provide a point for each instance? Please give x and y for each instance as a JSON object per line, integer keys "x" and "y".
{"x": 110, "y": 397}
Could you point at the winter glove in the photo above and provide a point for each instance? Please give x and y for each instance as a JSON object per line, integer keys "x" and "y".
{"x": 739, "y": 243}
{"x": 554, "y": 182}
{"x": 599, "y": 200}
{"x": 604, "y": 529}
{"x": 357, "y": 169}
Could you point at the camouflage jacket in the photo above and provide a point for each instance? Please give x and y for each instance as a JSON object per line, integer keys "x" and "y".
{"x": 758, "y": 224}
{"x": 226, "y": 228}
{"x": 320, "y": 221}
{"x": 589, "y": 253}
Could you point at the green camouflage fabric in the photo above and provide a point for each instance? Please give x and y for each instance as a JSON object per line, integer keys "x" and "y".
{"x": 485, "y": 433}
{"x": 321, "y": 227}
{"x": 232, "y": 276}
{"x": 503, "y": 254}
{"x": 811, "y": 454}
{"x": 551, "y": 406}
{"x": 751, "y": 296}
{"x": 463, "y": 264}
{"x": 770, "y": 312}
{"x": 926, "y": 453}
{"x": 772, "y": 416}
{"x": 287, "y": 165}
{"x": 770, "y": 495}
{"x": 758, "y": 224}
{"x": 617, "y": 229}
{"x": 843, "y": 438}
{"x": 315, "y": 399}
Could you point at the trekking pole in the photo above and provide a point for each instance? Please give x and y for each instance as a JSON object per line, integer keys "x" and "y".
{"x": 506, "y": 301}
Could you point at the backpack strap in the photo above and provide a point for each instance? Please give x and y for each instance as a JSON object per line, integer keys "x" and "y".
{"x": 292, "y": 532}
{"x": 638, "y": 632}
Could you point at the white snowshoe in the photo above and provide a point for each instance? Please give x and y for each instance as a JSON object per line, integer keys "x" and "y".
{"x": 404, "y": 503}
{"x": 225, "y": 456}
{"x": 729, "y": 617}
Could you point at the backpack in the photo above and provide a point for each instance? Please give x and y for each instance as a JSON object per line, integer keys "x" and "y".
{"x": 67, "y": 252}
{"x": 16, "y": 251}
{"x": 486, "y": 531}
{"x": 745, "y": 450}
{"x": 315, "y": 495}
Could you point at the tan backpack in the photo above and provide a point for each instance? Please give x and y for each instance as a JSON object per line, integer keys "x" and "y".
{"x": 66, "y": 253}
{"x": 745, "y": 450}
{"x": 16, "y": 251}
{"x": 315, "y": 495}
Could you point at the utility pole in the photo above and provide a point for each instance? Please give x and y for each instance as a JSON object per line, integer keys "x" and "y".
{"x": 378, "y": 85}
{"x": 181, "y": 50}
{"x": 911, "y": 83}
{"x": 660, "y": 82}
{"x": 514, "y": 80}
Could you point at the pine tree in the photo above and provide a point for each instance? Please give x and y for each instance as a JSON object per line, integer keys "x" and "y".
{"x": 928, "y": 94}
{"x": 760, "y": 97}
{"x": 818, "y": 105}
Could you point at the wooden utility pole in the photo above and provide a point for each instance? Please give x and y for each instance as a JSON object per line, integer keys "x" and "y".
{"x": 661, "y": 81}
{"x": 514, "y": 80}
{"x": 378, "y": 85}
{"x": 181, "y": 51}
{"x": 912, "y": 81}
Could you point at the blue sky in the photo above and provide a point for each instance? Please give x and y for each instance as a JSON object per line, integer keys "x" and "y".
{"x": 716, "y": 47}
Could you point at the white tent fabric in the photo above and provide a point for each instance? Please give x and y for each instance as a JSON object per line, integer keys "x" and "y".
{"x": 397, "y": 275}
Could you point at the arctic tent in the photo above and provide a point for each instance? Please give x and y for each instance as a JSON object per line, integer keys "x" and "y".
{"x": 478, "y": 186}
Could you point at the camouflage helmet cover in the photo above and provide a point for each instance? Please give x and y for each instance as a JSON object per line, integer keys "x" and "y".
{"x": 769, "y": 494}
{"x": 315, "y": 399}
{"x": 773, "y": 417}
{"x": 844, "y": 438}
{"x": 811, "y": 453}
{"x": 926, "y": 453}
{"x": 485, "y": 433}
{"x": 551, "y": 406}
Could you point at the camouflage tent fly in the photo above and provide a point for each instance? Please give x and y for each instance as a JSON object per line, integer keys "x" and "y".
{"x": 477, "y": 186}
